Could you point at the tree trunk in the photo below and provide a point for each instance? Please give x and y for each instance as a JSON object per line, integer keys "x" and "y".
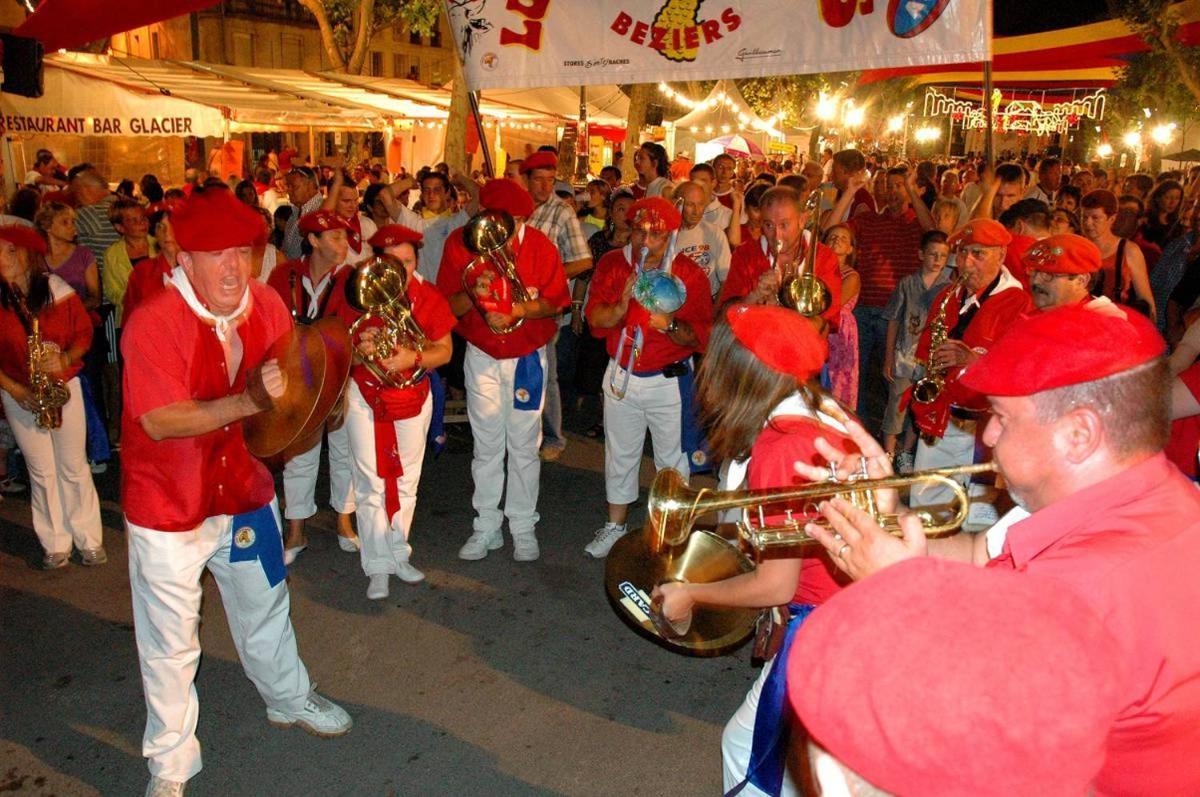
{"x": 328, "y": 41}
{"x": 455, "y": 152}
{"x": 364, "y": 28}
{"x": 639, "y": 98}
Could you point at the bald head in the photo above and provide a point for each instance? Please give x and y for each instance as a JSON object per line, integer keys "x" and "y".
{"x": 693, "y": 199}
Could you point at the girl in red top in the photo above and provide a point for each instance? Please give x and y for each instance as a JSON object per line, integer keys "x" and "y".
{"x": 63, "y": 497}
{"x": 387, "y": 425}
{"x": 764, "y": 412}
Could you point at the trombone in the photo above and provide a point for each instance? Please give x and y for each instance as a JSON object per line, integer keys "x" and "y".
{"x": 487, "y": 235}
{"x": 803, "y": 291}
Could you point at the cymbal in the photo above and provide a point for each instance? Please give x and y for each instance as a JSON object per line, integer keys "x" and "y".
{"x": 631, "y": 572}
{"x": 316, "y": 361}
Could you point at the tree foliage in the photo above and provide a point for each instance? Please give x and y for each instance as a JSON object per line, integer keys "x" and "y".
{"x": 1170, "y": 71}
{"x": 347, "y": 26}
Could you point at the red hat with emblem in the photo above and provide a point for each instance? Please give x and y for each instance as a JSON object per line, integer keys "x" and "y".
{"x": 1063, "y": 254}
{"x": 24, "y": 237}
{"x": 214, "y": 219}
{"x": 320, "y": 221}
{"x": 984, "y": 232}
{"x": 394, "y": 235}
{"x": 1029, "y": 691}
{"x": 1064, "y": 346}
{"x": 507, "y": 195}
{"x": 783, "y": 339}
{"x": 539, "y": 160}
{"x": 656, "y": 212}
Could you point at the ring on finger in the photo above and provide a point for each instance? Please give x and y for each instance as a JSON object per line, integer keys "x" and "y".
{"x": 842, "y": 551}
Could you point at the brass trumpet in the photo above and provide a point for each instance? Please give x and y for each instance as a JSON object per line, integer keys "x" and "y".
{"x": 488, "y": 236}
{"x": 802, "y": 291}
{"x": 378, "y": 288}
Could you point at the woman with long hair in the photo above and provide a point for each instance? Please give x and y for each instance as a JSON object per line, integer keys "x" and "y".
{"x": 843, "y": 344}
{"x": 1161, "y": 224}
{"x": 65, "y": 507}
{"x": 764, "y": 411}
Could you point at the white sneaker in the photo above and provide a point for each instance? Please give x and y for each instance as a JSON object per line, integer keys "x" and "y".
{"x": 605, "y": 538}
{"x": 290, "y": 554}
{"x": 525, "y": 547}
{"x": 349, "y": 544}
{"x": 158, "y": 787}
{"x": 479, "y": 543}
{"x": 320, "y": 717}
{"x": 409, "y": 574}
{"x": 377, "y": 589}
{"x": 92, "y": 556}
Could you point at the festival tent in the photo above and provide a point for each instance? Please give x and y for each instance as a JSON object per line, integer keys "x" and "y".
{"x": 1186, "y": 156}
{"x": 723, "y": 112}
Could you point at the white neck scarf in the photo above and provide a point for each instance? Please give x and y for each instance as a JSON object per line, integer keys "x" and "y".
{"x": 221, "y": 324}
{"x": 794, "y": 405}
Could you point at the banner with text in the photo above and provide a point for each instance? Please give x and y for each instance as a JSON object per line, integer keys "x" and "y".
{"x": 531, "y": 43}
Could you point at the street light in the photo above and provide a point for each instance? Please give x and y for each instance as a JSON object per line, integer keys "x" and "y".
{"x": 896, "y": 123}
{"x": 1104, "y": 150}
{"x": 1132, "y": 139}
{"x": 927, "y": 133}
{"x": 1163, "y": 133}
{"x": 854, "y": 114}
{"x": 826, "y": 107}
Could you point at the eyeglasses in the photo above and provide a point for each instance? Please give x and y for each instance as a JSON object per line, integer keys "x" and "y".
{"x": 975, "y": 252}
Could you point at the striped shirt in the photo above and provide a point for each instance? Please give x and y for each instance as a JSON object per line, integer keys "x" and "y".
{"x": 94, "y": 229}
{"x": 887, "y": 249}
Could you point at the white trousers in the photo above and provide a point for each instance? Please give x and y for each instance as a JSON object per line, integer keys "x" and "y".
{"x": 956, "y": 447}
{"x": 738, "y": 738}
{"x": 497, "y": 427}
{"x": 651, "y": 402}
{"x": 164, "y": 574}
{"x": 62, "y": 495}
{"x": 384, "y": 539}
{"x": 300, "y": 478}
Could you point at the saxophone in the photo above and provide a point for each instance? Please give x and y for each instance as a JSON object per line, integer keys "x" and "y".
{"x": 929, "y": 387}
{"x": 49, "y": 394}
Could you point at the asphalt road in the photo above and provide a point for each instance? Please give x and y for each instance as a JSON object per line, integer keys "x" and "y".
{"x": 492, "y": 678}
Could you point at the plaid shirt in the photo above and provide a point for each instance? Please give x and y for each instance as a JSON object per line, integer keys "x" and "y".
{"x": 557, "y": 221}
{"x": 291, "y": 233}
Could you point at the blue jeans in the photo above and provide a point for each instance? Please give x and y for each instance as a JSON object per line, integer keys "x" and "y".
{"x": 872, "y": 388}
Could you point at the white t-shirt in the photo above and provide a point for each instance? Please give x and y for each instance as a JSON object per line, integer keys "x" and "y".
{"x": 718, "y": 215}
{"x": 709, "y": 248}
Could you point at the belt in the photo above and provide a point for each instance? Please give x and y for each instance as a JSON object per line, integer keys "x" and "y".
{"x": 962, "y": 414}
{"x": 671, "y": 371}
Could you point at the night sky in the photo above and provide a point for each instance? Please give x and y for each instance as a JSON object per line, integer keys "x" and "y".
{"x": 1015, "y": 17}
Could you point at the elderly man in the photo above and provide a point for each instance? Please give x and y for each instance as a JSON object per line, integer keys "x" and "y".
{"x": 1080, "y": 402}
{"x": 974, "y": 311}
{"x": 1060, "y": 269}
{"x": 702, "y": 241}
{"x": 305, "y": 194}
{"x": 505, "y": 370}
{"x": 197, "y": 363}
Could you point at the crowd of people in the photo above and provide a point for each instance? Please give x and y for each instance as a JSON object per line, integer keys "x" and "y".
{"x": 1027, "y": 314}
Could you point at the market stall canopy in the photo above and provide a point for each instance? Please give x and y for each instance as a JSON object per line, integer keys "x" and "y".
{"x": 1082, "y": 56}
{"x": 1186, "y": 156}
{"x": 59, "y": 24}
{"x": 724, "y": 110}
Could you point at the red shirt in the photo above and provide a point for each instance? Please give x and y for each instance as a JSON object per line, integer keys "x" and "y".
{"x": 863, "y": 202}
{"x": 783, "y": 442}
{"x": 541, "y": 271}
{"x": 296, "y": 299}
{"x": 658, "y": 350}
{"x": 725, "y": 199}
{"x": 1016, "y": 250}
{"x": 172, "y": 355}
{"x": 750, "y": 261}
{"x": 1130, "y": 546}
{"x": 432, "y": 314}
{"x": 887, "y": 249}
{"x": 147, "y": 278}
{"x": 63, "y": 321}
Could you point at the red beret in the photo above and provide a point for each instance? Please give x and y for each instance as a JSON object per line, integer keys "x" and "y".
{"x": 783, "y": 339}
{"x": 1064, "y": 346}
{"x": 394, "y": 235}
{"x": 1063, "y": 254}
{"x": 940, "y": 677}
{"x": 539, "y": 160}
{"x": 658, "y": 213}
{"x": 320, "y": 221}
{"x": 507, "y": 195}
{"x": 984, "y": 232}
{"x": 214, "y": 219}
{"x": 24, "y": 237}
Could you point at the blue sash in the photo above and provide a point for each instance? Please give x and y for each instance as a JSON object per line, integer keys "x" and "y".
{"x": 528, "y": 382}
{"x": 692, "y": 439}
{"x": 772, "y": 723}
{"x": 437, "y": 422}
{"x": 256, "y": 535}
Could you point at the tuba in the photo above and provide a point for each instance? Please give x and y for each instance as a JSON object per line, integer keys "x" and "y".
{"x": 668, "y": 549}
{"x": 929, "y": 387}
{"x": 491, "y": 280}
{"x": 802, "y": 291}
{"x": 378, "y": 288}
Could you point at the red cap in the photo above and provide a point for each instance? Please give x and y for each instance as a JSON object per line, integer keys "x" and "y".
{"x": 984, "y": 232}
{"x": 1064, "y": 346}
{"x": 507, "y": 195}
{"x": 320, "y": 221}
{"x": 394, "y": 235}
{"x": 24, "y": 237}
{"x": 658, "y": 213}
{"x": 214, "y": 219}
{"x": 1063, "y": 254}
{"x": 783, "y": 339}
{"x": 539, "y": 160}
{"x": 940, "y": 677}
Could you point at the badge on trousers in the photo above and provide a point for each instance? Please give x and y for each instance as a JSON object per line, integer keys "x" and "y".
{"x": 256, "y": 535}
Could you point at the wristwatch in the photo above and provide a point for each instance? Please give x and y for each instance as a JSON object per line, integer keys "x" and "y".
{"x": 672, "y": 327}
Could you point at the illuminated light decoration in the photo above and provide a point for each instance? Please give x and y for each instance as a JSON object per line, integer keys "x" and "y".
{"x": 1019, "y": 116}
{"x": 1162, "y": 134}
{"x": 854, "y": 115}
{"x": 895, "y": 124}
{"x": 826, "y": 107}
{"x": 1104, "y": 150}
{"x": 925, "y": 134}
{"x": 1132, "y": 139}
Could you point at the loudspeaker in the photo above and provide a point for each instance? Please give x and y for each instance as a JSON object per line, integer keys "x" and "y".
{"x": 654, "y": 115}
{"x": 22, "y": 59}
